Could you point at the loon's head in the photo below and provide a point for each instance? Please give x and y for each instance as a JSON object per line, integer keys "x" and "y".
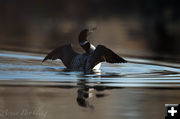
{"x": 84, "y": 34}
{"x": 83, "y": 40}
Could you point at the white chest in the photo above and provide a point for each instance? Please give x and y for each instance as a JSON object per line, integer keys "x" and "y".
{"x": 97, "y": 67}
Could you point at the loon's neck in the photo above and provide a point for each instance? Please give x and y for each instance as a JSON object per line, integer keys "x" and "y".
{"x": 84, "y": 43}
{"x": 88, "y": 47}
{"x": 82, "y": 38}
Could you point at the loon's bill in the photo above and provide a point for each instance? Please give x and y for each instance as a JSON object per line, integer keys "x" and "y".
{"x": 92, "y": 57}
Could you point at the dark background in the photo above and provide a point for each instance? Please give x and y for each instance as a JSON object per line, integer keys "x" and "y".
{"x": 145, "y": 28}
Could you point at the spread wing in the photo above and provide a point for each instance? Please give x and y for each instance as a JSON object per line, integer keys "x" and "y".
{"x": 65, "y": 53}
{"x": 102, "y": 54}
{"x": 54, "y": 54}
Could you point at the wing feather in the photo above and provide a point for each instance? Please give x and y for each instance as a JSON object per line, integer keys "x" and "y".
{"x": 102, "y": 54}
{"x": 54, "y": 54}
{"x": 65, "y": 53}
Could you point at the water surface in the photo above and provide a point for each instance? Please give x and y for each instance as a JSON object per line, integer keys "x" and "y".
{"x": 137, "y": 89}
{"x": 135, "y": 73}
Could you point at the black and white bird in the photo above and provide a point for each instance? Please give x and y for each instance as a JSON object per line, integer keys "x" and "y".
{"x": 89, "y": 60}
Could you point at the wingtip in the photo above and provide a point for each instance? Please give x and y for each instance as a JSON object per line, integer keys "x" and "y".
{"x": 44, "y": 59}
{"x": 125, "y": 61}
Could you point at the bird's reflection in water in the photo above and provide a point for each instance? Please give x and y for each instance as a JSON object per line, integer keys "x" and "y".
{"x": 85, "y": 92}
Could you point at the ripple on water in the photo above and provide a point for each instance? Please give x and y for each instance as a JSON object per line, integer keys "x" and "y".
{"x": 136, "y": 73}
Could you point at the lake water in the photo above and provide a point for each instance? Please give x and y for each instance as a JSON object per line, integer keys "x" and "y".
{"x": 134, "y": 90}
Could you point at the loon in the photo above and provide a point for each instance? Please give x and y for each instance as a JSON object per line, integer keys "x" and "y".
{"x": 89, "y": 60}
